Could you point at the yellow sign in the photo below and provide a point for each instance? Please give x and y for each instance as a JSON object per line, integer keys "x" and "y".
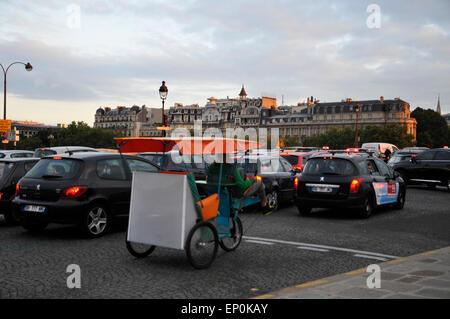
{"x": 5, "y": 125}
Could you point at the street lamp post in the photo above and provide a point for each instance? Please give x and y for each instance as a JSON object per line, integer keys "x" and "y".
{"x": 163, "y": 95}
{"x": 28, "y": 67}
{"x": 357, "y": 109}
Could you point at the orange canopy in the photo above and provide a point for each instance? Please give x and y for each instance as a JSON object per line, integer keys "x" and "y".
{"x": 187, "y": 145}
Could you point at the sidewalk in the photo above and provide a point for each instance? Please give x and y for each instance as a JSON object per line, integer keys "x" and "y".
{"x": 425, "y": 275}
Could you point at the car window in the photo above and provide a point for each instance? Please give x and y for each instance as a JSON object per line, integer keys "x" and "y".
{"x": 140, "y": 166}
{"x": 5, "y": 169}
{"x": 384, "y": 169}
{"x": 21, "y": 155}
{"x": 270, "y": 166}
{"x": 55, "y": 168}
{"x": 286, "y": 165}
{"x": 28, "y": 165}
{"x": 425, "y": 155}
{"x": 43, "y": 152}
{"x": 330, "y": 166}
{"x": 291, "y": 159}
{"x": 372, "y": 168}
{"x": 111, "y": 169}
{"x": 442, "y": 156}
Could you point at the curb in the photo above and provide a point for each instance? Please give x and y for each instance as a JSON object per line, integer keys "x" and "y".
{"x": 340, "y": 277}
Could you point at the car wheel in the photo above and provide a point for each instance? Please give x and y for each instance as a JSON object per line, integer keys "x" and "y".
{"x": 96, "y": 221}
{"x": 34, "y": 226}
{"x": 272, "y": 200}
{"x": 304, "y": 210}
{"x": 367, "y": 208}
{"x": 401, "y": 200}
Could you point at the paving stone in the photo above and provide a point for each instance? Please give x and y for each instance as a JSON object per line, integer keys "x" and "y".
{"x": 427, "y": 273}
{"x": 364, "y": 293}
{"x": 396, "y": 286}
{"x": 390, "y": 275}
{"x": 436, "y": 283}
{"x": 428, "y": 260}
{"x": 402, "y": 296}
{"x": 409, "y": 279}
{"x": 433, "y": 293}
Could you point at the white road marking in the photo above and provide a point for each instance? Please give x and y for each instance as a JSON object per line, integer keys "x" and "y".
{"x": 355, "y": 251}
{"x": 258, "y": 242}
{"x": 314, "y": 249}
{"x": 370, "y": 257}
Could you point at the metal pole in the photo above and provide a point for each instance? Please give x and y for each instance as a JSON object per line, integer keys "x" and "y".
{"x": 163, "y": 119}
{"x": 356, "y": 131}
{"x": 4, "y": 97}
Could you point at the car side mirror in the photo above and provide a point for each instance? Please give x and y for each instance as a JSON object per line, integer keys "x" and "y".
{"x": 396, "y": 174}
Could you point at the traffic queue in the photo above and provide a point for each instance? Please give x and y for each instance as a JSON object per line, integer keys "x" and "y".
{"x": 92, "y": 187}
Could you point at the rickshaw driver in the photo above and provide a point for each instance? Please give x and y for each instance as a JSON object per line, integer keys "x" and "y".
{"x": 239, "y": 187}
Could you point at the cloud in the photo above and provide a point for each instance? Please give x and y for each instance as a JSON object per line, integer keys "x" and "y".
{"x": 123, "y": 50}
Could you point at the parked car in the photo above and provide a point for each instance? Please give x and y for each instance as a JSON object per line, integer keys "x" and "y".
{"x": 16, "y": 154}
{"x": 430, "y": 167}
{"x": 381, "y": 150}
{"x": 11, "y": 171}
{"x": 45, "y": 151}
{"x": 88, "y": 189}
{"x": 166, "y": 162}
{"x": 349, "y": 181}
{"x": 278, "y": 175}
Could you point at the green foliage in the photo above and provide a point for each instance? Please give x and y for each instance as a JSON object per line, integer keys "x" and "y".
{"x": 76, "y": 134}
{"x": 343, "y": 138}
{"x": 432, "y": 128}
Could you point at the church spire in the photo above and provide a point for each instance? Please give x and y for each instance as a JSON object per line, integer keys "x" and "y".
{"x": 243, "y": 94}
{"x": 438, "y": 109}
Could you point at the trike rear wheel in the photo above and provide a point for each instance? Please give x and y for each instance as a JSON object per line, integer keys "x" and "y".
{"x": 232, "y": 242}
{"x": 201, "y": 245}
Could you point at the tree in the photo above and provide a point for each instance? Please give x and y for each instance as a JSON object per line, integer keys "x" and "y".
{"x": 344, "y": 138}
{"x": 432, "y": 128}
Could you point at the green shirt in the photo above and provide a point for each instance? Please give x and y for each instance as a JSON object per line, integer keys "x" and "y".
{"x": 230, "y": 177}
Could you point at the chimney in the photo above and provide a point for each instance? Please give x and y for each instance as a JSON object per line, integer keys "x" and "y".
{"x": 107, "y": 109}
{"x": 382, "y": 99}
{"x": 308, "y": 101}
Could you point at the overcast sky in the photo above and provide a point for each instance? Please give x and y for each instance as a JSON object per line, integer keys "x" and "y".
{"x": 121, "y": 50}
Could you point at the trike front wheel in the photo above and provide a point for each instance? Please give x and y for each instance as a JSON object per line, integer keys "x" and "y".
{"x": 232, "y": 242}
{"x": 201, "y": 245}
{"x": 138, "y": 250}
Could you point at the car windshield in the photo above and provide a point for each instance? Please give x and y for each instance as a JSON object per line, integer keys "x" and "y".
{"x": 330, "y": 166}
{"x": 55, "y": 168}
{"x": 5, "y": 169}
{"x": 43, "y": 152}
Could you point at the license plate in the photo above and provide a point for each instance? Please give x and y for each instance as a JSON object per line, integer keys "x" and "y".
{"x": 322, "y": 189}
{"x": 34, "y": 209}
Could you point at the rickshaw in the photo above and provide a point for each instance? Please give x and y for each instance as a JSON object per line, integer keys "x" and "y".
{"x": 173, "y": 210}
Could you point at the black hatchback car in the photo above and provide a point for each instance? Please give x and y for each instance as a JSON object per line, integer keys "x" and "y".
{"x": 431, "y": 167}
{"x": 349, "y": 181}
{"x": 87, "y": 189}
{"x": 11, "y": 171}
{"x": 278, "y": 175}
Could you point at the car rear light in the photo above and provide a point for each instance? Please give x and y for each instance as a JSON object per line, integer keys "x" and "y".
{"x": 1, "y": 196}
{"x": 57, "y": 158}
{"x": 73, "y": 192}
{"x": 296, "y": 183}
{"x": 17, "y": 190}
{"x": 259, "y": 178}
{"x": 354, "y": 186}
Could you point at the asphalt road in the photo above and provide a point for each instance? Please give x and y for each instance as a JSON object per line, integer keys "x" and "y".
{"x": 279, "y": 250}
